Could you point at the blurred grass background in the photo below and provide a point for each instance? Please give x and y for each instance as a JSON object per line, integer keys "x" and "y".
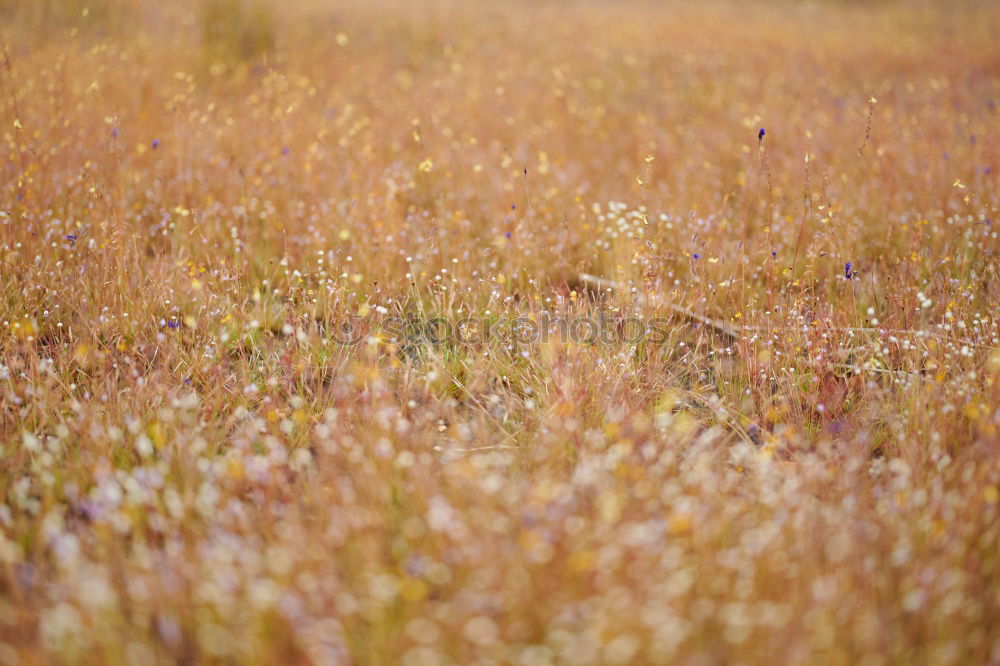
{"x": 194, "y": 194}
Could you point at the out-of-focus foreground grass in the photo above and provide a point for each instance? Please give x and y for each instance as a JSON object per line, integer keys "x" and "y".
{"x": 196, "y": 197}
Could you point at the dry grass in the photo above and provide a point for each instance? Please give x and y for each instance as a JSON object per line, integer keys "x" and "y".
{"x": 798, "y": 464}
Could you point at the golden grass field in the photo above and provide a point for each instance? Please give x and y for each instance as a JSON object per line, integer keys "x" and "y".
{"x": 231, "y": 232}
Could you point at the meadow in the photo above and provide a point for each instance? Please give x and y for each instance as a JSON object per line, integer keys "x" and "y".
{"x": 429, "y": 332}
